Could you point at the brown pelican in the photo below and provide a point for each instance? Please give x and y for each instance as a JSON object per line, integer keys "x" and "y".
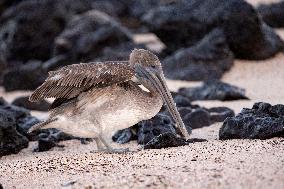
{"x": 94, "y": 100}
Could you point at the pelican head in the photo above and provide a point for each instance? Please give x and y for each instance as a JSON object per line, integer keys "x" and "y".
{"x": 149, "y": 72}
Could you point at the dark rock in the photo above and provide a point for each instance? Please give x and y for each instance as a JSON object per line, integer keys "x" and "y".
{"x": 25, "y": 124}
{"x": 3, "y": 101}
{"x": 219, "y": 114}
{"x": 87, "y": 35}
{"x": 4, "y": 4}
{"x": 115, "y": 9}
{"x": 148, "y": 129}
{"x": 189, "y": 21}
{"x": 125, "y": 135}
{"x": 248, "y": 36}
{"x": 214, "y": 90}
{"x": 24, "y": 102}
{"x": 263, "y": 121}
{"x": 32, "y": 25}
{"x": 11, "y": 140}
{"x": 197, "y": 118}
{"x": 272, "y": 14}
{"x": 25, "y": 77}
{"x": 165, "y": 140}
{"x": 182, "y": 101}
{"x": 208, "y": 59}
{"x": 49, "y": 138}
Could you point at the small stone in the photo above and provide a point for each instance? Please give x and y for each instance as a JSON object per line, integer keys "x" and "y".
{"x": 165, "y": 140}
{"x": 125, "y": 135}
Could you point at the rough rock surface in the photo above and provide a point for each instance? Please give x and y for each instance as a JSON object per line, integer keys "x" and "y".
{"x": 214, "y": 90}
{"x": 263, "y": 121}
{"x": 125, "y": 135}
{"x": 272, "y": 14}
{"x": 4, "y": 4}
{"x": 148, "y": 129}
{"x": 188, "y": 21}
{"x": 206, "y": 60}
{"x": 49, "y": 138}
{"x": 166, "y": 140}
{"x": 12, "y": 140}
{"x": 25, "y": 103}
{"x": 86, "y": 36}
{"x": 25, "y": 77}
{"x": 32, "y": 25}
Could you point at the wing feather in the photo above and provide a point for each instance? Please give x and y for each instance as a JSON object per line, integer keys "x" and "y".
{"x": 69, "y": 81}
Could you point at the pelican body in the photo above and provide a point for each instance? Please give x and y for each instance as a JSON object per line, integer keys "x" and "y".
{"x": 94, "y": 100}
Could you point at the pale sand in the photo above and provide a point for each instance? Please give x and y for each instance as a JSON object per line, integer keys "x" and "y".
{"x": 212, "y": 164}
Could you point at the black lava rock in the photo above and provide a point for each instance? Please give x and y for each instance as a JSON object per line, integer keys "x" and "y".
{"x": 25, "y": 77}
{"x": 4, "y": 4}
{"x": 214, "y": 90}
{"x": 197, "y": 118}
{"x": 11, "y": 139}
{"x": 263, "y": 121}
{"x": 165, "y": 140}
{"x": 208, "y": 59}
{"x": 49, "y": 138}
{"x": 272, "y": 14}
{"x": 87, "y": 35}
{"x": 189, "y": 21}
{"x": 148, "y": 129}
{"x": 125, "y": 135}
{"x": 24, "y": 102}
{"x": 248, "y": 36}
{"x": 219, "y": 114}
{"x": 32, "y": 25}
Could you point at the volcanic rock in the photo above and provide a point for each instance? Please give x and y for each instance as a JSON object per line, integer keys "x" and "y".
{"x": 272, "y": 14}
{"x": 87, "y": 35}
{"x": 24, "y": 102}
{"x": 189, "y": 21}
{"x": 25, "y": 77}
{"x": 148, "y": 129}
{"x": 219, "y": 114}
{"x": 11, "y": 119}
{"x": 167, "y": 140}
{"x": 263, "y": 121}
{"x": 206, "y": 60}
{"x": 214, "y": 90}
{"x": 32, "y": 25}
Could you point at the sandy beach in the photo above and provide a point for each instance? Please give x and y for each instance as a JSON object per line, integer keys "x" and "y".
{"x": 212, "y": 164}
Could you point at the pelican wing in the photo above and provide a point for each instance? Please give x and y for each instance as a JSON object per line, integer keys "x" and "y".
{"x": 69, "y": 81}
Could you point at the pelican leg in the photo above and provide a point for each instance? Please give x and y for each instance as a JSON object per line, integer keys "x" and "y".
{"x": 104, "y": 146}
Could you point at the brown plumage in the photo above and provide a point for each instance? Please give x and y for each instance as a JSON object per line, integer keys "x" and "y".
{"x": 93, "y": 100}
{"x": 68, "y": 82}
